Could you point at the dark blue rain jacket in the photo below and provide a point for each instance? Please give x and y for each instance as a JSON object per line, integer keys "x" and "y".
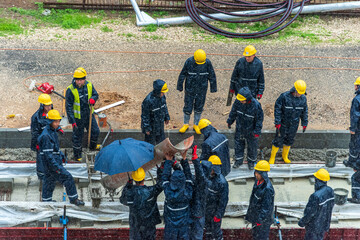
{"x": 261, "y": 205}
{"x": 249, "y": 116}
{"x": 289, "y": 110}
{"x": 142, "y": 203}
{"x": 249, "y": 75}
{"x": 84, "y": 102}
{"x": 218, "y": 194}
{"x": 317, "y": 213}
{"x": 355, "y": 184}
{"x": 197, "y": 77}
{"x": 178, "y": 189}
{"x": 38, "y": 123}
{"x": 50, "y": 155}
{"x": 201, "y": 185}
{"x": 355, "y": 113}
{"x": 216, "y": 144}
{"x": 154, "y": 111}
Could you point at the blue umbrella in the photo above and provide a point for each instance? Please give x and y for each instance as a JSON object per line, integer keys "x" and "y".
{"x": 123, "y": 156}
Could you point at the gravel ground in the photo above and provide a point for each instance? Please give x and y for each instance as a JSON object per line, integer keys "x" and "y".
{"x": 329, "y": 80}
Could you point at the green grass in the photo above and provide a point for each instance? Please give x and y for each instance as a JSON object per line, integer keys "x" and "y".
{"x": 160, "y": 14}
{"x": 150, "y": 28}
{"x": 67, "y": 18}
{"x": 106, "y": 29}
{"x": 10, "y": 27}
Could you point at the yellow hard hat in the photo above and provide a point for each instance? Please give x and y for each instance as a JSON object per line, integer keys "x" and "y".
{"x": 53, "y": 115}
{"x": 263, "y": 166}
{"x": 200, "y": 56}
{"x": 80, "y": 73}
{"x": 203, "y": 123}
{"x": 45, "y": 99}
{"x": 322, "y": 175}
{"x": 164, "y": 88}
{"x": 249, "y": 51}
{"x": 300, "y": 86}
{"x": 357, "y": 82}
{"x": 138, "y": 175}
{"x": 240, "y": 97}
{"x": 215, "y": 160}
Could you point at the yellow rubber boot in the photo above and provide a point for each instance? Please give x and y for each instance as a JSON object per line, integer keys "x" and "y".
{"x": 184, "y": 128}
{"x": 285, "y": 154}
{"x": 197, "y": 129}
{"x": 274, "y": 150}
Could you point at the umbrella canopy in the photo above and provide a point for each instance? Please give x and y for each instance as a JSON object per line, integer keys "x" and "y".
{"x": 123, "y": 156}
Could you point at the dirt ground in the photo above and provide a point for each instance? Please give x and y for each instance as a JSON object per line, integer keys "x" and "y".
{"x": 123, "y": 69}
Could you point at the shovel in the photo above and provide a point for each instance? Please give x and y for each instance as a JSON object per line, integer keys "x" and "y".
{"x": 64, "y": 120}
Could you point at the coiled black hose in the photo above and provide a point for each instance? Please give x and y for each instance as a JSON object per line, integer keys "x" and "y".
{"x": 288, "y": 7}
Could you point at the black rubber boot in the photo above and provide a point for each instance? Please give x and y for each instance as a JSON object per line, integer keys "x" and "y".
{"x": 237, "y": 164}
{"x": 77, "y": 202}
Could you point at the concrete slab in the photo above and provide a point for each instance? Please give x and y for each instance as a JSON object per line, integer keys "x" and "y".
{"x": 6, "y": 184}
{"x": 46, "y": 222}
{"x": 278, "y": 181}
{"x": 86, "y": 223}
{"x": 241, "y": 181}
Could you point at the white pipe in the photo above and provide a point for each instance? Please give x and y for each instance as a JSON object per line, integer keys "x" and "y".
{"x": 137, "y": 11}
{"x": 186, "y": 19}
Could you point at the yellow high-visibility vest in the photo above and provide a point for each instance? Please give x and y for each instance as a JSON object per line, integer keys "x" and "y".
{"x": 76, "y": 105}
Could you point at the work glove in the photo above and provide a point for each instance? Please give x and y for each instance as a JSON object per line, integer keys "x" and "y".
{"x": 229, "y": 126}
{"x": 277, "y": 126}
{"x": 92, "y": 101}
{"x": 256, "y": 135}
{"x": 176, "y": 166}
{"x": 130, "y": 181}
{"x": 232, "y": 91}
{"x": 61, "y": 131}
{"x": 258, "y": 224}
{"x": 217, "y": 219}
{"x": 74, "y": 125}
{"x": 37, "y": 147}
{"x": 58, "y": 171}
{"x": 259, "y": 96}
{"x": 194, "y": 155}
{"x": 304, "y": 129}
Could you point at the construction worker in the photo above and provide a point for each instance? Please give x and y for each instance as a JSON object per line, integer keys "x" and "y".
{"x": 38, "y": 123}
{"x": 217, "y": 199}
{"x": 200, "y": 193}
{"x": 144, "y": 212}
{"x": 355, "y": 184}
{"x": 290, "y": 108}
{"x": 318, "y": 210}
{"x": 178, "y": 189}
{"x": 81, "y": 96}
{"x": 354, "y": 146}
{"x": 248, "y": 72}
{"x": 53, "y": 158}
{"x": 197, "y": 72}
{"x": 154, "y": 113}
{"x": 249, "y": 117}
{"x": 261, "y": 204}
{"x": 214, "y": 144}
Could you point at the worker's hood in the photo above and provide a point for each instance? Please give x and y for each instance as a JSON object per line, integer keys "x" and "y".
{"x": 245, "y": 91}
{"x": 177, "y": 180}
{"x": 264, "y": 175}
{"x": 74, "y": 84}
{"x": 319, "y": 184}
{"x": 217, "y": 169}
{"x": 207, "y": 166}
{"x": 207, "y": 131}
{"x": 157, "y": 86}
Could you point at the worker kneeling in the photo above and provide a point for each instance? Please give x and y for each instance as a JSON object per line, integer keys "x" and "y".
{"x": 53, "y": 158}
{"x": 318, "y": 210}
{"x": 261, "y": 205}
{"x": 144, "y": 212}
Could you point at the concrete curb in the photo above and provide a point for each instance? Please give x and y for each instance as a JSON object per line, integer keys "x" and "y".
{"x": 316, "y": 139}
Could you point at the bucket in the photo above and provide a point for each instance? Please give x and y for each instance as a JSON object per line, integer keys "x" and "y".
{"x": 340, "y": 196}
{"x": 102, "y": 120}
{"x": 330, "y": 160}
